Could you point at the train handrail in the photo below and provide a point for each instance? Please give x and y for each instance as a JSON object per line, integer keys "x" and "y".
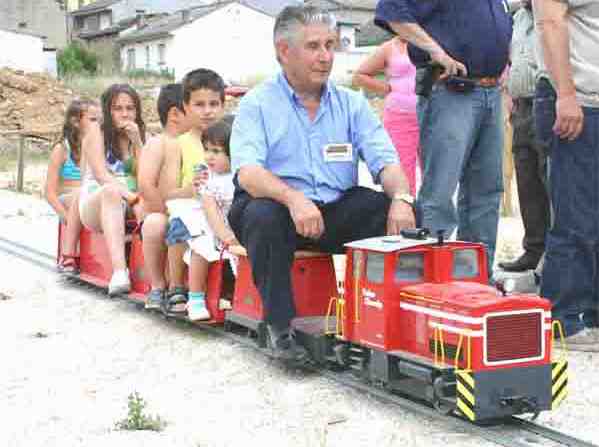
{"x": 328, "y": 315}
{"x": 562, "y": 337}
{"x": 458, "y": 351}
{"x": 438, "y": 337}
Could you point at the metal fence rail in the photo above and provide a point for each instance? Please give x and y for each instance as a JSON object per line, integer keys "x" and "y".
{"x": 25, "y": 137}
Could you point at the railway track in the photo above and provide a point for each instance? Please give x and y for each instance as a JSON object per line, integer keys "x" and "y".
{"x": 513, "y": 432}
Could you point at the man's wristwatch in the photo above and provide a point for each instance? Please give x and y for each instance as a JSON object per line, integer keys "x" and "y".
{"x": 404, "y": 197}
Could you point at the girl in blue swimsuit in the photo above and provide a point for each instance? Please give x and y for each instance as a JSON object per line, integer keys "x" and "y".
{"x": 64, "y": 176}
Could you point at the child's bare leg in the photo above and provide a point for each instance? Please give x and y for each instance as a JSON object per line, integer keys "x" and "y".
{"x": 198, "y": 273}
{"x": 198, "y": 283}
{"x": 113, "y": 226}
{"x": 154, "y": 246}
{"x": 176, "y": 266}
{"x": 73, "y": 225}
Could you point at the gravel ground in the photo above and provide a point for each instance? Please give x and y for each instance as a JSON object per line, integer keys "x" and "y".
{"x": 70, "y": 358}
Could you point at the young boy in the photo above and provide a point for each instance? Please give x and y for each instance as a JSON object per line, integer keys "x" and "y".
{"x": 159, "y": 175}
{"x": 204, "y": 105}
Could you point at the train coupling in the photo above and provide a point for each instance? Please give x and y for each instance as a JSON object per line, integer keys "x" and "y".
{"x": 520, "y": 404}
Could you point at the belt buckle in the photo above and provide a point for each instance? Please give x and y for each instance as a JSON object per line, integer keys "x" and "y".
{"x": 487, "y": 81}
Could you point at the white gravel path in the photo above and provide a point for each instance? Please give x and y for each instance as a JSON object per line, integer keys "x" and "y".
{"x": 71, "y": 387}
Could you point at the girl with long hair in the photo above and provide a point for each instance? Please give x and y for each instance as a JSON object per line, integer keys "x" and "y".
{"x": 108, "y": 175}
{"x": 64, "y": 175}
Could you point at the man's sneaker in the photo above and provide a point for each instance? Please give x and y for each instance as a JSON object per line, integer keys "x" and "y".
{"x": 284, "y": 347}
{"x": 177, "y": 301}
{"x": 586, "y": 340}
{"x": 197, "y": 310}
{"x": 154, "y": 299}
{"x": 119, "y": 283}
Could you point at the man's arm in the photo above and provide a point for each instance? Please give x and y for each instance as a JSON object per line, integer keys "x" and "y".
{"x": 401, "y": 17}
{"x": 377, "y": 150}
{"x": 551, "y": 17}
{"x": 150, "y": 164}
{"x": 261, "y": 183}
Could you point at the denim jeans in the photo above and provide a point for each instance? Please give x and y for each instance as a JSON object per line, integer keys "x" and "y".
{"x": 571, "y": 271}
{"x": 461, "y": 137}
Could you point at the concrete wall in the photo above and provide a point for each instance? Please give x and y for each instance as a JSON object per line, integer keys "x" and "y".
{"x": 235, "y": 41}
{"x": 42, "y": 17}
{"x": 22, "y": 52}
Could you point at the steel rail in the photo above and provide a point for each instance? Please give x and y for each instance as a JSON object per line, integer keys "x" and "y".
{"x": 513, "y": 432}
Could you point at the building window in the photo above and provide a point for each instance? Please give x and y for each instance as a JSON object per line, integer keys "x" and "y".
{"x": 147, "y": 57}
{"x": 161, "y": 54}
{"x": 131, "y": 59}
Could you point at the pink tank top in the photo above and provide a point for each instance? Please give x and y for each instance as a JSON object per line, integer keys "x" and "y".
{"x": 401, "y": 75}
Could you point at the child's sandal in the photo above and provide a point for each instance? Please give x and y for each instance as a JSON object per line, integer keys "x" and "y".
{"x": 69, "y": 264}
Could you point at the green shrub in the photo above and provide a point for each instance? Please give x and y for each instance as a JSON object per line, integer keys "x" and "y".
{"x": 141, "y": 73}
{"x": 137, "y": 419}
{"x": 75, "y": 59}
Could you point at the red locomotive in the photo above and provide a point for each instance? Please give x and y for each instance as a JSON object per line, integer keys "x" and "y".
{"x": 415, "y": 315}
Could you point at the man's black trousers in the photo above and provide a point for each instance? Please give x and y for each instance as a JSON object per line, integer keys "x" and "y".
{"x": 265, "y": 228}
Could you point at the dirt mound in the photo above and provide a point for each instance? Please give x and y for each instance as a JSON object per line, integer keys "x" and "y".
{"x": 32, "y": 102}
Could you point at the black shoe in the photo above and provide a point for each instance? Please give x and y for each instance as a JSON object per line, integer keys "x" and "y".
{"x": 523, "y": 263}
{"x": 284, "y": 347}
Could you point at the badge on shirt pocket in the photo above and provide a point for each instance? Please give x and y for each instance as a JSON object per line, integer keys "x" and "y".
{"x": 338, "y": 152}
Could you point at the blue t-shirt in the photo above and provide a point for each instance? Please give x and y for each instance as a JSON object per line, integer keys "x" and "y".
{"x": 320, "y": 157}
{"x": 474, "y": 32}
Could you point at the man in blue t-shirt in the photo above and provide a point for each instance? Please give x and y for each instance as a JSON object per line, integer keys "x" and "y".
{"x": 295, "y": 147}
{"x": 460, "y": 49}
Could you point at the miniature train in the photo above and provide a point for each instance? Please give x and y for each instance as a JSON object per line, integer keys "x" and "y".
{"x": 415, "y": 315}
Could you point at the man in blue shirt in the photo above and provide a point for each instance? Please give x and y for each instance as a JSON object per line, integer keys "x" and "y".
{"x": 295, "y": 148}
{"x": 460, "y": 49}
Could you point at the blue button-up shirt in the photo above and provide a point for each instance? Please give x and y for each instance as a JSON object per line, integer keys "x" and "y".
{"x": 273, "y": 130}
{"x": 474, "y": 32}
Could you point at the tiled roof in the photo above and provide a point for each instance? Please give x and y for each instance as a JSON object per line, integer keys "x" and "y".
{"x": 164, "y": 26}
{"x": 96, "y": 6}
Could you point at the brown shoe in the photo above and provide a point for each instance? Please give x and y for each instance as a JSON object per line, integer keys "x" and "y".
{"x": 284, "y": 347}
{"x": 525, "y": 262}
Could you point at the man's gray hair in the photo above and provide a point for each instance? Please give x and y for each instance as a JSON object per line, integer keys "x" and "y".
{"x": 291, "y": 18}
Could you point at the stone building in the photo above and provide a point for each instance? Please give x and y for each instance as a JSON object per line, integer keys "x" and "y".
{"x": 45, "y": 18}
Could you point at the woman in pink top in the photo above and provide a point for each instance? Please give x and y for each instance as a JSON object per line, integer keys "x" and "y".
{"x": 399, "y": 116}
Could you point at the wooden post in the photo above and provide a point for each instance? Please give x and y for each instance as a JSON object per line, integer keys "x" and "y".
{"x": 21, "y": 164}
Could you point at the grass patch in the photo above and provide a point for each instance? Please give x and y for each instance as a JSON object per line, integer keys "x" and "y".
{"x": 137, "y": 419}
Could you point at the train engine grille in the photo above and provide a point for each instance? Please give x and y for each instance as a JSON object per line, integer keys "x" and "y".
{"x": 514, "y": 337}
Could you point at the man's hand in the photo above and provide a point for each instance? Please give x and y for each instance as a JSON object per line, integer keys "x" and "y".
{"x": 306, "y": 216}
{"x": 401, "y": 215}
{"x": 569, "y": 117}
{"x": 451, "y": 66}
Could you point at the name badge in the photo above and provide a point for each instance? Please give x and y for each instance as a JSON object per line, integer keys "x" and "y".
{"x": 338, "y": 152}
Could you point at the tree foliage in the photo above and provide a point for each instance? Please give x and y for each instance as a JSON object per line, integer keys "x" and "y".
{"x": 76, "y": 59}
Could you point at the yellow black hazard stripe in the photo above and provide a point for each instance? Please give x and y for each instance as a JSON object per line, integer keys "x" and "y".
{"x": 559, "y": 382}
{"x": 466, "y": 397}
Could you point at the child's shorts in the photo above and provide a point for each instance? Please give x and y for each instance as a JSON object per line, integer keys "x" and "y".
{"x": 177, "y": 232}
